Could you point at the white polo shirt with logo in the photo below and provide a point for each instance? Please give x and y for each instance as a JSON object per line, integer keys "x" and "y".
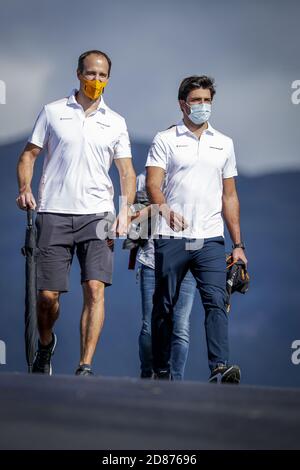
{"x": 79, "y": 153}
{"x": 195, "y": 169}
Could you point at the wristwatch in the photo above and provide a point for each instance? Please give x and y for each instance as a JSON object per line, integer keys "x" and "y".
{"x": 239, "y": 245}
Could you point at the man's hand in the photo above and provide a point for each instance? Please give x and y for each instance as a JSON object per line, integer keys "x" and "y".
{"x": 239, "y": 254}
{"x": 128, "y": 189}
{"x": 120, "y": 226}
{"x": 175, "y": 221}
{"x": 26, "y": 200}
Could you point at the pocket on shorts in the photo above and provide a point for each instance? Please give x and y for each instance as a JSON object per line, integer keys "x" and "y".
{"x": 38, "y": 224}
{"x": 38, "y": 219}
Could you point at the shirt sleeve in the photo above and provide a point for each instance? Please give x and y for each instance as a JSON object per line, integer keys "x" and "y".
{"x": 157, "y": 155}
{"x": 40, "y": 132}
{"x": 122, "y": 147}
{"x": 230, "y": 169}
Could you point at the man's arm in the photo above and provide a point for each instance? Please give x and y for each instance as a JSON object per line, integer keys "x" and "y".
{"x": 231, "y": 214}
{"x": 128, "y": 187}
{"x": 154, "y": 181}
{"x": 26, "y": 200}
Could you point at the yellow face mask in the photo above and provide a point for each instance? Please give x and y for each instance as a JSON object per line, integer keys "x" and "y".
{"x": 93, "y": 89}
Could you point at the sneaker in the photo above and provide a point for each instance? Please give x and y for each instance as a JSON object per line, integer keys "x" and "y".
{"x": 162, "y": 375}
{"x": 84, "y": 369}
{"x": 146, "y": 374}
{"x": 42, "y": 360}
{"x": 225, "y": 374}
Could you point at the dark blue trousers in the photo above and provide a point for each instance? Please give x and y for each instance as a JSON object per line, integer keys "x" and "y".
{"x": 173, "y": 258}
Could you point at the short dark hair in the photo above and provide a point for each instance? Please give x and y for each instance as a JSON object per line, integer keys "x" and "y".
{"x": 85, "y": 54}
{"x": 192, "y": 83}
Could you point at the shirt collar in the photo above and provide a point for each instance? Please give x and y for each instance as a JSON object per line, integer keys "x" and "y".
{"x": 210, "y": 130}
{"x": 182, "y": 129}
{"x": 73, "y": 102}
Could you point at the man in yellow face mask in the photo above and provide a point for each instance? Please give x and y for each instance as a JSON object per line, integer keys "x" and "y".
{"x": 93, "y": 73}
{"x": 81, "y": 136}
{"x": 93, "y": 87}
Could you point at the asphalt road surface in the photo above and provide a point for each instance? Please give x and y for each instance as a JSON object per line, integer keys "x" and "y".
{"x": 66, "y": 412}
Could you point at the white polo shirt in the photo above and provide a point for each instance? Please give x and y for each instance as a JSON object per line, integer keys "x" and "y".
{"x": 79, "y": 153}
{"x": 195, "y": 169}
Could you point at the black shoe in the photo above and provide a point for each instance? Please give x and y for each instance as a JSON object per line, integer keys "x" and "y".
{"x": 162, "y": 375}
{"x": 42, "y": 360}
{"x": 225, "y": 374}
{"x": 146, "y": 374}
{"x": 84, "y": 369}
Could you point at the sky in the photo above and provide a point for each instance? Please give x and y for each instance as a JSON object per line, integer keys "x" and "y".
{"x": 249, "y": 47}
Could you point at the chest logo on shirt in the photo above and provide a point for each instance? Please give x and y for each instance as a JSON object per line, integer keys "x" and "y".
{"x": 216, "y": 148}
{"x": 103, "y": 124}
{"x": 66, "y": 118}
{"x": 182, "y": 145}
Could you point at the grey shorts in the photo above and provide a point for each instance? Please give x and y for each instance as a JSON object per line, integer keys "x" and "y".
{"x": 58, "y": 235}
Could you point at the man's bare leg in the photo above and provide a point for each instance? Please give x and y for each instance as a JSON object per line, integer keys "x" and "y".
{"x": 92, "y": 319}
{"x": 47, "y": 313}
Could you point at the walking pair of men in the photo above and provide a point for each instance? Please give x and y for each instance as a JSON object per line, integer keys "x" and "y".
{"x": 82, "y": 136}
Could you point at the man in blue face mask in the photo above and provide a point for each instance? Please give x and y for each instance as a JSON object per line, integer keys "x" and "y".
{"x": 198, "y": 164}
{"x": 200, "y": 111}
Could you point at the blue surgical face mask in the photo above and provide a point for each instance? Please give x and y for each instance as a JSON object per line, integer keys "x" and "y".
{"x": 200, "y": 113}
